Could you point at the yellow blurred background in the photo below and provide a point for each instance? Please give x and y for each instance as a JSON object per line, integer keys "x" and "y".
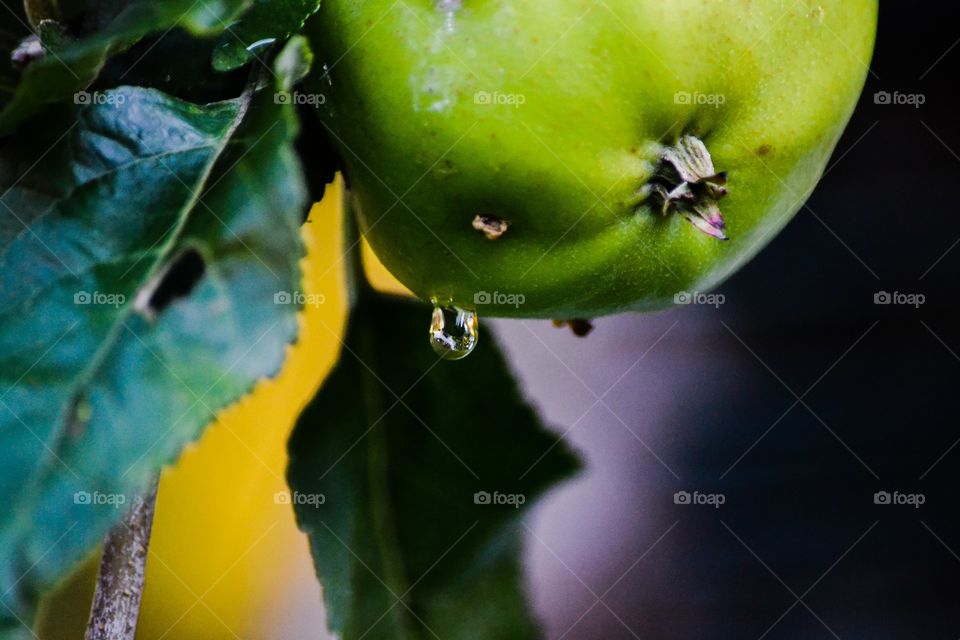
{"x": 226, "y": 559}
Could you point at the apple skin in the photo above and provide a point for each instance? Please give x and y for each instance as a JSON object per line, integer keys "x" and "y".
{"x": 553, "y": 117}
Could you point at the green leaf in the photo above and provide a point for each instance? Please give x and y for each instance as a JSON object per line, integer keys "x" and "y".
{"x": 293, "y": 62}
{"x": 177, "y": 63}
{"x": 63, "y": 72}
{"x": 267, "y": 22}
{"x": 386, "y": 463}
{"x": 140, "y": 256}
{"x": 15, "y": 29}
{"x": 53, "y": 35}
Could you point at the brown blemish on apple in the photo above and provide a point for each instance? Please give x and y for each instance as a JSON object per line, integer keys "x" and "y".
{"x": 491, "y": 226}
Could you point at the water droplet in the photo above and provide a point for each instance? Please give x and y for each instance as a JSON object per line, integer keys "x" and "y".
{"x": 456, "y": 342}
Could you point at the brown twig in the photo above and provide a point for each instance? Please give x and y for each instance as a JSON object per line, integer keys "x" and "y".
{"x": 116, "y": 602}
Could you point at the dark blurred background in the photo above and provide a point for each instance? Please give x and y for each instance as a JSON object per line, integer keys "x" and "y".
{"x": 795, "y": 402}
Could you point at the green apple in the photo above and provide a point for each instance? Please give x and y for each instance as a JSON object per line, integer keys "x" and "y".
{"x": 574, "y": 158}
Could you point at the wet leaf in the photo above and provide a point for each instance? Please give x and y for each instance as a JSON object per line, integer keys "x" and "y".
{"x": 266, "y": 22}
{"x": 411, "y": 477}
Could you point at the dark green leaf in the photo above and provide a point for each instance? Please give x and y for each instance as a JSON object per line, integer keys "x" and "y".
{"x": 140, "y": 256}
{"x": 53, "y": 35}
{"x": 399, "y": 444}
{"x": 266, "y": 22}
{"x": 65, "y": 71}
{"x": 14, "y": 18}
{"x": 317, "y": 154}
{"x": 39, "y": 10}
{"x": 177, "y": 63}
